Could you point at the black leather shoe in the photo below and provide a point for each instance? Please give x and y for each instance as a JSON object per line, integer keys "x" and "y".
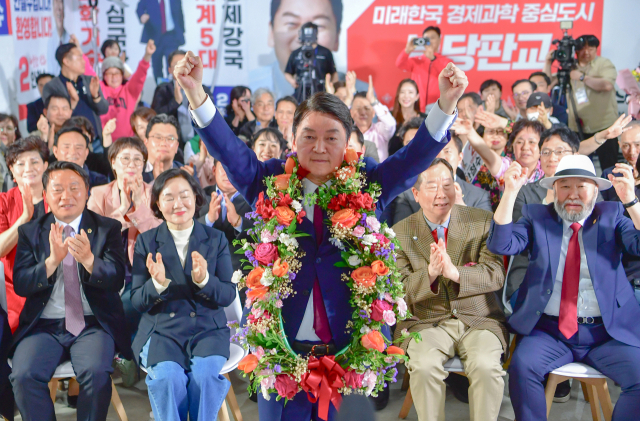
{"x": 563, "y": 392}
{"x": 459, "y": 385}
{"x": 380, "y": 402}
{"x": 72, "y": 401}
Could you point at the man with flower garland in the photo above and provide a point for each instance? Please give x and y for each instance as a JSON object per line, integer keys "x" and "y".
{"x": 450, "y": 279}
{"x": 315, "y": 316}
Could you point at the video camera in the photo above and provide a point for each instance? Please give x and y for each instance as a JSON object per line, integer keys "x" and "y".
{"x": 565, "y": 54}
{"x": 308, "y": 81}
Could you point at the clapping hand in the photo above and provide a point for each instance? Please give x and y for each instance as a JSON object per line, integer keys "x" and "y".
{"x": 94, "y": 88}
{"x": 328, "y": 86}
{"x": 232, "y": 215}
{"x": 27, "y": 203}
{"x": 515, "y": 177}
{"x": 58, "y": 249}
{"x": 80, "y": 249}
{"x": 199, "y": 267}
{"x": 74, "y": 98}
{"x": 371, "y": 96}
{"x": 214, "y": 207}
{"x": 452, "y": 82}
{"x": 448, "y": 268}
{"x": 435, "y": 263}
{"x": 156, "y": 269}
{"x": 491, "y": 104}
{"x": 625, "y": 183}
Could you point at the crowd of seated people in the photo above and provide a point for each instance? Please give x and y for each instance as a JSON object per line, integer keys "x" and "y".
{"x": 102, "y": 200}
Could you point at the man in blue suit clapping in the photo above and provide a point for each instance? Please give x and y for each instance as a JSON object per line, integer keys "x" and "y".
{"x": 575, "y": 303}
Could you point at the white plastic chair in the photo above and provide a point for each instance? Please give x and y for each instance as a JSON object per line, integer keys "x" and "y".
{"x": 236, "y": 354}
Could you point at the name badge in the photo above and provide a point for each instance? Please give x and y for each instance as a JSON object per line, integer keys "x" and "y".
{"x": 581, "y": 96}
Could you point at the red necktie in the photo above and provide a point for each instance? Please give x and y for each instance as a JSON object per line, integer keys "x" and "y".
{"x": 435, "y": 235}
{"x": 568, "y": 320}
{"x": 320, "y": 319}
{"x": 163, "y": 18}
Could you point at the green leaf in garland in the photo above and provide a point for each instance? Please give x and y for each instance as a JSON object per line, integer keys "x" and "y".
{"x": 341, "y": 264}
{"x": 292, "y": 227}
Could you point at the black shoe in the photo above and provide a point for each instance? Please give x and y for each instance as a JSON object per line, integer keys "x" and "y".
{"x": 253, "y": 397}
{"x": 72, "y": 401}
{"x": 459, "y": 385}
{"x": 380, "y": 402}
{"x": 563, "y": 392}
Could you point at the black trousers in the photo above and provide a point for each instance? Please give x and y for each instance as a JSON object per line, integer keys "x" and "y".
{"x": 39, "y": 353}
{"x": 607, "y": 153}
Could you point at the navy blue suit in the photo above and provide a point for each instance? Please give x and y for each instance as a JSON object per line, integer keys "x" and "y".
{"x": 39, "y": 345}
{"x": 396, "y": 174}
{"x": 184, "y": 321}
{"x": 34, "y": 111}
{"x": 613, "y": 346}
{"x": 166, "y": 42}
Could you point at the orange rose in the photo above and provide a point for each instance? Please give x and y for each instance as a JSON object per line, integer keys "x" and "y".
{"x": 280, "y": 268}
{"x": 351, "y": 156}
{"x": 289, "y": 166}
{"x": 379, "y": 268}
{"x": 373, "y": 340}
{"x": 257, "y": 294}
{"x": 285, "y": 215}
{"x": 345, "y": 217}
{"x": 395, "y": 350}
{"x": 248, "y": 363}
{"x": 282, "y": 182}
{"x": 253, "y": 278}
{"x": 364, "y": 276}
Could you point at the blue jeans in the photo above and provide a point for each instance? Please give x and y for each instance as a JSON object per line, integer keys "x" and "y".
{"x": 174, "y": 392}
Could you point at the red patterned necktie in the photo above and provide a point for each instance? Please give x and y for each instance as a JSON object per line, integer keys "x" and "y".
{"x": 443, "y": 236}
{"x": 73, "y": 312}
{"x": 320, "y": 319}
{"x": 568, "y": 320}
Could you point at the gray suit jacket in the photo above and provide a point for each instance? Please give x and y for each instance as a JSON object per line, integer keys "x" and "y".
{"x": 371, "y": 150}
{"x": 474, "y": 197}
{"x": 56, "y": 87}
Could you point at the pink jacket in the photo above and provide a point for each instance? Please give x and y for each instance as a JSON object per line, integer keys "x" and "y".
{"x": 123, "y": 101}
{"x": 105, "y": 201}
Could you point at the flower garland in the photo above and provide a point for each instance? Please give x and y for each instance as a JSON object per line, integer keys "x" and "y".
{"x": 368, "y": 249}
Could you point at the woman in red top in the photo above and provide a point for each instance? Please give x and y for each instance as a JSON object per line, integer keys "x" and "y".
{"x": 27, "y": 160}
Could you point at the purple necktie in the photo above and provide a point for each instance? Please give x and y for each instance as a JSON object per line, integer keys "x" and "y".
{"x": 163, "y": 19}
{"x": 320, "y": 319}
{"x": 73, "y": 312}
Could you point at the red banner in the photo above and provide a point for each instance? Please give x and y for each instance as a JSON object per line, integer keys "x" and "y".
{"x": 506, "y": 41}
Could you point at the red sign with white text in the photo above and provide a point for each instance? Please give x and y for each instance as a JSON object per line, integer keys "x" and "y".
{"x": 505, "y": 41}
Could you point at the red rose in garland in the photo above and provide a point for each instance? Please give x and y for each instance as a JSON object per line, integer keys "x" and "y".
{"x": 378, "y": 307}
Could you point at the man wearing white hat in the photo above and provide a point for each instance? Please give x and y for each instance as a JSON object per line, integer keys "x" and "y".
{"x": 575, "y": 303}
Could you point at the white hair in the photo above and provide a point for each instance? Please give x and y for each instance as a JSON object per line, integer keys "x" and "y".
{"x": 572, "y": 216}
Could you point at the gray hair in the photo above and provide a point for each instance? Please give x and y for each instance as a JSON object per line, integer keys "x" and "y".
{"x": 258, "y": 93}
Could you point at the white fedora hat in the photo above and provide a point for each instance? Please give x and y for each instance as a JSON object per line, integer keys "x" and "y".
{"x": 579, "y": 166}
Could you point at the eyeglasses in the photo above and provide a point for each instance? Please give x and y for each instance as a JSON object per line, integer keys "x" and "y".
{"x": 126, "y": 161}
{"x": 7, "y": 129}
{"x": 494, "y": 132}
{"x": 525, "y": 93}
{"x": 158, "y": 140}
{"x": 558, "y": 152}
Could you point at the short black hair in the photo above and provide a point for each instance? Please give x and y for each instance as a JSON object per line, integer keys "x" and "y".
{"x": 457, "y": 141}
{"x": 414, "y": 123}
{"x": 336, "y": 6}
{"x": 355, "y": 130}
{"x": 489, "y": 83}
{"x": 54, "y": 95}
{"x": 70, "y": 129}
{"x": 64, "y": 165}
{"x": 177, "y": 52}
{"x": 63, "y": 50}
{"x": 545, "y": 76}
{"x": 28, "y": 144}
{"x": 523, "y": 124}
{"x": 475, "y": 97}
{"x": 162, "y": 180}
{"x": 83, "y": 123}
{"x": 519, "y": 81}
{"x": 435, "y": 162}
{"x": 589, "y": 41}
{"x": 565, "y": 134}
{"x": 163, "y": 119}
{"x": 271, "y": 133}
{"x": 108, "y": 44}
{"x": 287, "y": 98}
{"x": 42, "y": 75}
{"x": 432, "y": 28}
{"x": 236, "y": 93}
{"x": 324, "y": 103}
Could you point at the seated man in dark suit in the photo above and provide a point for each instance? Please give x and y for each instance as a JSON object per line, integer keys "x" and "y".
{"x": 466, "y": 193}
{"x": 70, "y": 266}
{"x": 36, "y": 108}
{"x": 72, "y": 145}
{"x": 225, "y": 211}
{"x": 575, "y": 303}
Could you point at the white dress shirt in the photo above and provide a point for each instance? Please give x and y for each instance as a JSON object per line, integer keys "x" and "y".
{"x": 587, "y": 301}
{"x": 181, "y": 240}
{"x": 437, "y": 124}
{"x": 55, "y": 307}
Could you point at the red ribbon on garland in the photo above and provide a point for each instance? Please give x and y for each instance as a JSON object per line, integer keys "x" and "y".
{"x": 323, "y": 380}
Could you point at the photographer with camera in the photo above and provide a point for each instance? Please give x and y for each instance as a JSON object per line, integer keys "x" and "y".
{"x": 592, "y": 79}
{"x": 425, "y": 68}
{"x": 308, "y": 65}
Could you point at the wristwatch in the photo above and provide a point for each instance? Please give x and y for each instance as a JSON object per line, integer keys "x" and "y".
{"x": 582, "y": 77}
{"x": 633, "y": 202}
